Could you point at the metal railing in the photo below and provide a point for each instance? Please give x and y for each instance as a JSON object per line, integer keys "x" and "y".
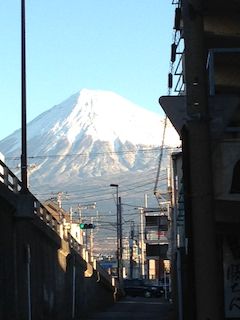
{"x": 179, "y": 87}
{"x": 176, "y": 2}
{"x": 74, "y": 244}
{"x": 9, "y": 179}
{"x": 45, "y": 215}
{"x": 176, "y": 73}
{"x": 210, "y": 65}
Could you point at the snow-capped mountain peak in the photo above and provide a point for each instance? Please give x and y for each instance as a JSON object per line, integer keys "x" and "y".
{"x": 90, "y": 134}
{"x": 105, "y": 116}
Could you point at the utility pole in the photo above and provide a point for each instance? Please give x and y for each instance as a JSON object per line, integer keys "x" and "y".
{"x": 142, "y": 237}
{"x": 131, "y": 249}
{"x": 79, "y": 210}
{"x": 142, "y": 242}
{"x": 85, "y": 232}
{"x": 91, "y": 241}
{"x": 120, "y": 239}
{"x": 119, "y": 226}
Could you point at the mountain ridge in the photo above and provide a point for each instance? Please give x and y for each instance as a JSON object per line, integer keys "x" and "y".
{"x": 92, "y": 133}
{"x": 96, "y": 114}
{"x": 67, "y": 154}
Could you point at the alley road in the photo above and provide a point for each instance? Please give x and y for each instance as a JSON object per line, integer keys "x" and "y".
{"x": 136, "y": 308}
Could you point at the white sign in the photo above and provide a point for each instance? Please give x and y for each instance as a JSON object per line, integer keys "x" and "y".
{"x": 231, "y": 266}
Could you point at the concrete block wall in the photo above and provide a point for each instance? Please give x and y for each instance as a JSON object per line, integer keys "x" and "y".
{"x": 41, "y": 276}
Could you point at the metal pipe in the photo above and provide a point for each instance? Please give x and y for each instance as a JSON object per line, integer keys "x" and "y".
{"x": 24, "y": 117}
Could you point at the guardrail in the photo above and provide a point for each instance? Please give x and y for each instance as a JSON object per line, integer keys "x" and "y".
{"x": 74, "y": 244}
{"x": 45, "y": 215}
{"x": 9, "y": 179}
{"x": 176, "y": 2}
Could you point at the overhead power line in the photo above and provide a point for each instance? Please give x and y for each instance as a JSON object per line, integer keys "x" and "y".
{"x": 160, "y": 156}
{"x": 104, "y": 192}
{"x": 155, "y": 149}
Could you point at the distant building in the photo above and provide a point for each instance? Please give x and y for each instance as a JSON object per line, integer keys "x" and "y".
{"x": 157, "y": 241}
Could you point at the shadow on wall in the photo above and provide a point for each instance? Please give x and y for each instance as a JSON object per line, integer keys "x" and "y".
{"x": 41, "y": 276}
{"x": 235, "y": 187}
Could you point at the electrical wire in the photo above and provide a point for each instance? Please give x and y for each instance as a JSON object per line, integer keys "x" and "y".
{"x": 160, "y": 157}
{"x": 155, "y": 149}
{"x": 102, "y": 192}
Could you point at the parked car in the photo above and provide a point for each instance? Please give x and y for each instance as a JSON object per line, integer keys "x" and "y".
{"x": 139, "y": 287}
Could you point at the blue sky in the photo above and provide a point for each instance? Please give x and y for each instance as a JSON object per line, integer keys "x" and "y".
{"x": 117, "y": 45}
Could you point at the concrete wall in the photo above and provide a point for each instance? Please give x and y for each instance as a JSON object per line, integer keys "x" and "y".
{"x": 41, "y": 276}
{"x": 226, "y": 155}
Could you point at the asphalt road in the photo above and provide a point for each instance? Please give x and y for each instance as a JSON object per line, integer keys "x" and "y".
{"x": 136, "y": 308}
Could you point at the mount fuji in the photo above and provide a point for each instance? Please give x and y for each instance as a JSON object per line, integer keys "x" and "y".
{"x": 90, "y": 140}
{"x": 92, "y": 133}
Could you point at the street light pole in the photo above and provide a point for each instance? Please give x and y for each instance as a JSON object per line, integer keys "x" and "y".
{"x": 120, "y": 238}
{"x": 142, "y": 242}
{"x": 118, "y": 233}
{"x": 24, "y": 117}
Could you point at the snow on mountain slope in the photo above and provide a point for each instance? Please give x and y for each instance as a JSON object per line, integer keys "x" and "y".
{"x": 82, "y": 145}
{"x": 90, "y": 134}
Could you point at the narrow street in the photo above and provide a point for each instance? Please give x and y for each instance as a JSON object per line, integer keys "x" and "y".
{"x": 136, "y": 308}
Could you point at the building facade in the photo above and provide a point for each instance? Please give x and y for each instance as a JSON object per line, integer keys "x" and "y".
{"x": 205, "y": 111}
